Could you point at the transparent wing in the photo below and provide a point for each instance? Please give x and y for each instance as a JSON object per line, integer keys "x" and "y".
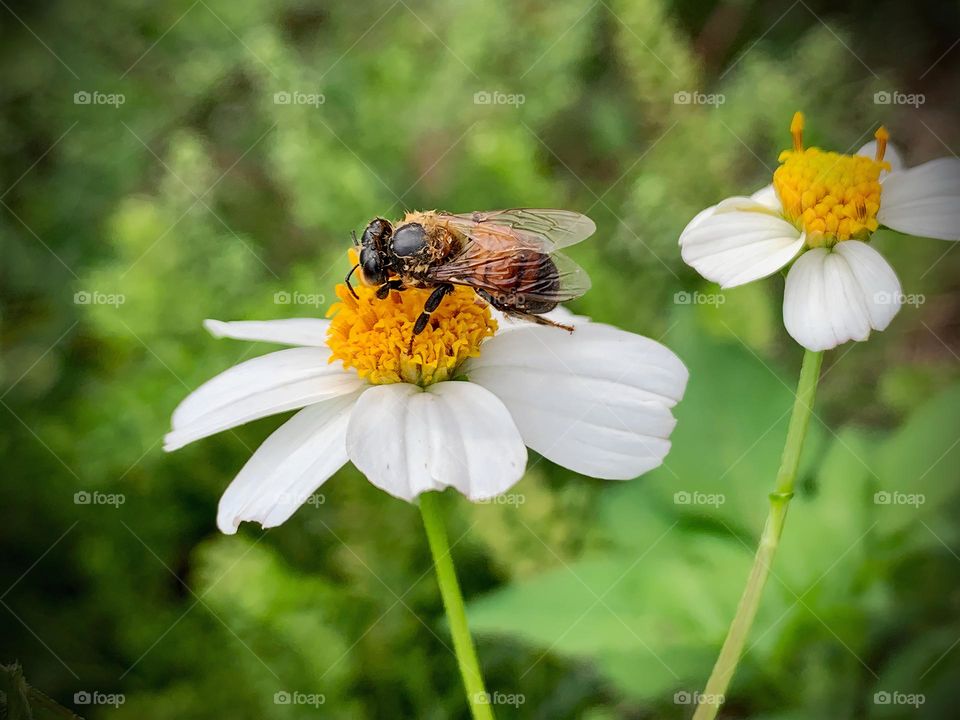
{"x": 531, "y": 228}
{"x": 529, "y": 276}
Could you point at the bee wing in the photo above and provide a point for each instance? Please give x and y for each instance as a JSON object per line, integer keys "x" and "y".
{"x": 539, "y": 229}
{"x": 496, "y": 272}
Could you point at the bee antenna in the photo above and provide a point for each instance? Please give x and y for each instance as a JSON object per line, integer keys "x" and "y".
{"x": 347, "y": 281}
{"x": 353, "y": 234}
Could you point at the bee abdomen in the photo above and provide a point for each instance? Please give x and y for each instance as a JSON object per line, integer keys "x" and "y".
{"x": 533, "y": 275}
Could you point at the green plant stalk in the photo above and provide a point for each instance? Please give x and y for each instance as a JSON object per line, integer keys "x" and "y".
{"x": 713, "y": 695}
{"x": 466, "y": 653}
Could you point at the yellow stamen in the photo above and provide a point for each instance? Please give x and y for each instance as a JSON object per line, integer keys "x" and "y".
{"x": 796, "y": 130}
{"x": 373, "y": 336}
{"x": 832, "y": 197}
{"x": 881, "y": 136}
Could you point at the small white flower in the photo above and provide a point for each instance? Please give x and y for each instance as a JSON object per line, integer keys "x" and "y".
{"x": 821, "y": 210}
{"x": 453, "y": 414}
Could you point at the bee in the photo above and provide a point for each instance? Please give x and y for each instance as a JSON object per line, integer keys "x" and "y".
{"x": 509, "y": 257}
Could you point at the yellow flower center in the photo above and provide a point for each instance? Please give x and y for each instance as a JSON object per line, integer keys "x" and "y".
{"x": 373, "y": 336}
{"x": 833, "y": 197}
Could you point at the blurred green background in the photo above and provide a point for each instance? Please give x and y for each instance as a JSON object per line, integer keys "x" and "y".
{"x": 252, "y": 137}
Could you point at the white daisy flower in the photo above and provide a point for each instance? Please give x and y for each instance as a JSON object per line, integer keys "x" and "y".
{"x": 819, "y": 213}
{"x": 459, "y": 412}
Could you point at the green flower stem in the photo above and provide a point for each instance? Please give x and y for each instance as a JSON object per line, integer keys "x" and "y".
{"x": 712, "y": 697}
{"x": 477, "y": 696}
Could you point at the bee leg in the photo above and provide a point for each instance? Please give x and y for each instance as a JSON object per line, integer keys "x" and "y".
{"x": 432, "y": 303}
{"x": 512, "y": 311}
{"x": 540, "y": 320}
{"x": 385, "y": 289}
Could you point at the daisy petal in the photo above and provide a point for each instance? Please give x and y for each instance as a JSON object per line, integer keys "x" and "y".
{"x": 924, "y": 200}
{"x": 596, "y": 401}
{"x": 289, "y": 331}
{"x": 282, "y": 380}
{"x": 290, "y": 465}
{"x": 890, "y": 155}
{"x": 740, "y": 241}
{"x": 408, "y": 440}
{"x": 768, "y": 196}
{"x": 833, "y": 297}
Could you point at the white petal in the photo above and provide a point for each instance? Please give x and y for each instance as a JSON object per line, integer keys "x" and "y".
{"x": 924, "y": 200}
{"x": 890, "y": 155}
{"x": 740, "y": 241}
{"x": 288, "y": 468}
{"x": 768, "y": 196}
{"x": 408, "y": 440}
{"x": 289, "y": 331}
{"x": 596, "y": 401}
{"x": 282, "y": 380}
{"x": 833, "y": 297}
{"x": 697, "y": 220}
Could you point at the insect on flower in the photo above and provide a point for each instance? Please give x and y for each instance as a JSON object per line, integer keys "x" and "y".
{"x": 509, "y": 257}
{"x": 454, "y": 405}
{"x": 820, "y": 213}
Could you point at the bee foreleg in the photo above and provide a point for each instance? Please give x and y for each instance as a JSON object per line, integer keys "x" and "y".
{"x": 432, "y": 303}
{"x": 385, "y": 289}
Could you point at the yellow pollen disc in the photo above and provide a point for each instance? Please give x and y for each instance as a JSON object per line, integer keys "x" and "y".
{"x": 373, "y": 336}
{"x": 832, "y": 197}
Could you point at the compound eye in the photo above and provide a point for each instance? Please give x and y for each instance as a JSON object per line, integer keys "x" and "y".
{"x": 370, "y": 268}
{"x": 376, "y": 234}
{"x": 409, "y": 240}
